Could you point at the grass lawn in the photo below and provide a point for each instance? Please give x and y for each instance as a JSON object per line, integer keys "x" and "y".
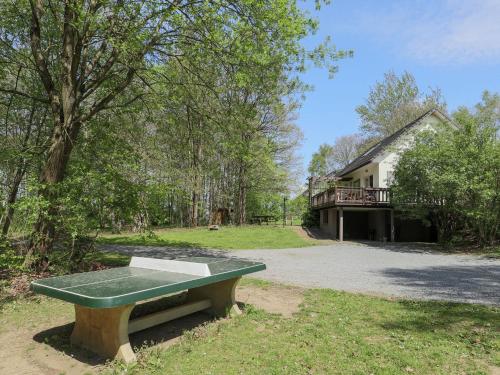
{"x": 339, "y": 333}
{"x": 334, "y": 332}
{"x": 226, "y": 238}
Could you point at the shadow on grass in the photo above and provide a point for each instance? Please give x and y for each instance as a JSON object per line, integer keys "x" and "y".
{"x": 476, "y": 284}
{"x": 169, "y": 333}
{"x": 162, "y": 252}
{"x": 149, "y": 241}
{"x": 109, "y": 258}
{"x": 163, "y": 335}
{"x": 59, "y": 339}
{"x": 474, "y": 325}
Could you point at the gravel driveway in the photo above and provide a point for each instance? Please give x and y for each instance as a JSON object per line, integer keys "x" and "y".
{"x": 390, "y": 269}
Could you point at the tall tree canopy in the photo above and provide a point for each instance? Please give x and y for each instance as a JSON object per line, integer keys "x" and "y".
{"x": 393, "y": 103}
{"x": 112, "y": 78}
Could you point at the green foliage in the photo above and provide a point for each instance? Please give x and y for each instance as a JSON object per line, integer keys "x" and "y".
{"x": 393, "y": 103}
{"x": 168, "y": 114}
{"x": 330, "y": 158}
{"x": 264, "y": 203}
{"x": 9, "y": 258}
{"x": 298, "y": 206}
{"x": 456, "y": 174}
{"x": 310, "y": 218}
{"x": 322, "y": 161}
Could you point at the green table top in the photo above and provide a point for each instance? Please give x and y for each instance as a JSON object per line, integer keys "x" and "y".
{"x": 125, "y": 285}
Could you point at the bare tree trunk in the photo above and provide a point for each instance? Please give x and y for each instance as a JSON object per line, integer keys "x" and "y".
{"x": 241, "y": 196}
{"x": 52, "y": 173}
{"x": 194, "y": 209}
{"x": 195, "y": 195}
{"x": 9, "y": 211}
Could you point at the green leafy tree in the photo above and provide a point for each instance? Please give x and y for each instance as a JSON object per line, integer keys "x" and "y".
{"x": 93, "y": 59}
{"x": 393, "y": 103}
{"x": 322, "y": 161}
{"x": 334, "y": 157}
{"x": 455, "y": 175}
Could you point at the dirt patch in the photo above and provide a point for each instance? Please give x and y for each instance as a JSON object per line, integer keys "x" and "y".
{"x": 277, "y": 300}
{"x": 23, "y": 355}
{"x": 45, "y": 349}
{"x": 494, "y": 370}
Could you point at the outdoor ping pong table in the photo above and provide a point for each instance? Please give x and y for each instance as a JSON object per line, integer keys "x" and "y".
{"x": 104, "y": 299}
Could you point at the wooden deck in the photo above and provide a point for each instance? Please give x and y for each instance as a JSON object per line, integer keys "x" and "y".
{"x": 356, "y": 197}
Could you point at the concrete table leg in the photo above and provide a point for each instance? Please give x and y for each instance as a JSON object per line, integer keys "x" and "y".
{"x": 104, "y": 331}
{"x": 221, "y": 295}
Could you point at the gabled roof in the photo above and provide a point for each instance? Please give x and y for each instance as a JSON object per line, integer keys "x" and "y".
{"x": 378, "y": 148}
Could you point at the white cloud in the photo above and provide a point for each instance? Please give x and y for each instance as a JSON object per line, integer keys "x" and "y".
{"x": 438, "y": 32}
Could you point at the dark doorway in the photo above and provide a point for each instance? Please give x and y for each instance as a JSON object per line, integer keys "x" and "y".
{"x": 413, "y": 230}
{"x": 356, "y": 225}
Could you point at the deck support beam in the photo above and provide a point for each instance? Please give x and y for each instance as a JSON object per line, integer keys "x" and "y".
{"x": 392, "y": 226}
{"x": 341, "y": 224}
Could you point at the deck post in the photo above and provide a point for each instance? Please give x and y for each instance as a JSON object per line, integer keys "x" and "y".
{"x": 392, "y": 226}
{"x": 341, "y": 224}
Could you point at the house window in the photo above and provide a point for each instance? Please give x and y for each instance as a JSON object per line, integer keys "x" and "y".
{"x": 325, "y": 216}
{"x": 371, "y": 180}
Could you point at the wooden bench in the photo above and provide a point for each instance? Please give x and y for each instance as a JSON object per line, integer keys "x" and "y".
{"x": 104, "y": 299}
{"x": 259, "y": 219}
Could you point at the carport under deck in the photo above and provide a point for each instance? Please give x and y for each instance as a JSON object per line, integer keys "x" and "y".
{"x": 358, "y": 223}
{"x": 376, "y": 224}
{"x": 366, "y": 214}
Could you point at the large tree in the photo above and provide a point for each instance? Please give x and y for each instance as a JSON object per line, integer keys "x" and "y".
{"x": 393, "y": 103}
{"x": 91, "y": 56}
{"x": 455, "y": 175}
{"x": 334, "y": 157}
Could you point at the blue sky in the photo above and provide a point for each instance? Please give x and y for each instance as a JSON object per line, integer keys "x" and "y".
{"x": 450, "y": 44}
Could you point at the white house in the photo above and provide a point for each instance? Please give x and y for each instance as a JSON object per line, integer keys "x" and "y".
{"x": 358, "y": 205}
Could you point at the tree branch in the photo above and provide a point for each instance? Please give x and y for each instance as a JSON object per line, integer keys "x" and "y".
{"x": 101, "y": 104}
{"x": 20, "y": 93}
{"x": 40, "y": 61}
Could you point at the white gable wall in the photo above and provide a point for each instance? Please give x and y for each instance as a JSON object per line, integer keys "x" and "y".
{"x": 387, "y": 161}
{"x": 363, "y": 173}
{"x": 383, "y": 165}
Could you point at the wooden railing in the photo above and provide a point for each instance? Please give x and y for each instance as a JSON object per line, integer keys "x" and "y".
{"x": 345, "y": 196}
